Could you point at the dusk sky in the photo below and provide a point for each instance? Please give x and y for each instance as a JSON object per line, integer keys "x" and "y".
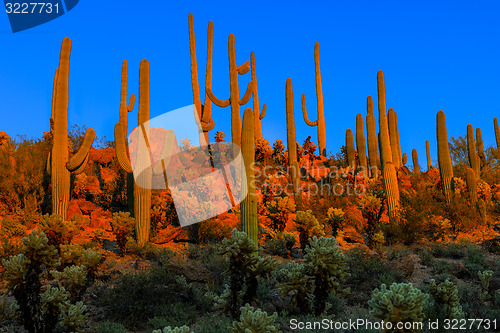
{"x": 436, "y": 55}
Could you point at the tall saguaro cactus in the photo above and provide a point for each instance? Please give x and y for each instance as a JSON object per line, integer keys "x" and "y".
{"x": 60, "y": 164}
{"x": 497, "y": 132}
{"x": 350, "y": 150}
{"x": 360, "y": 144}
{"x": 471, "y": 186}
{"x": 249, "y": 220}
{"x": 473, "y": 157}
{"x": 258, "y": 114}
{"x": 291, "y": 140}
{"x": 234, "y": 98}
{"x": 428, "y": 153}
{"x": 204, "y": 112}
{"x": 444, "y": 158}
{"x": 320, "y": 123}
{"x": 414, "y": 156}
{"x": 480, "y": 147}
{"x": 371, "y": 133}
{"x": 142, "y": 194}
{"x": 393, "y": 137}
{"x": 388, "y": 170}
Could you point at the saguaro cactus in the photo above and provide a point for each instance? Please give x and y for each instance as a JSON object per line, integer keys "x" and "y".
{"x": 234, "y": 97}
{"x": 444, "y": 158}
{"x": 371, "y": 133}
{"x": 497, "y": 132}
{"x": 388, "y": 170}
{"x": 258, "y": 114}
{"x": 249, "y": 220}
{"x": 428, "y": 153}
{"x": 291, "y": 140}
{"x": 60, "y": 164}
{"x": 393, "y": 137}
{"x": 473, "y": 157}
{"x": 404, "y": 159}
{"x": 360, "y": 144}
{"x": 350, "y": 150}
{"x": 480, "y": 147}
{"x": 142, "y": 194}
{"x": 471, "y": 186}
{"x": 320, "y": 123}
{"x": 414, "y": 156}
{"x": 204, "y": 112}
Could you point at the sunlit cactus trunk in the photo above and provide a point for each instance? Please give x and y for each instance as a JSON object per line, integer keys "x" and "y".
{"x": 480, "y": 147}
{"x": 291, "y": 140}
{"x": 388, "y": 170}
{"x": 474, "y": 161}
{"x": 428, "y": 153}
{"x": 350, "y": 150}
{"x": 416, "y": 166}
{"x": 497, "y": 132}
{"x": 393, "y": 137}
{"x": 256, "y": 107}
{"x": 471, "y": 186}
{"x": 371, "y": 133}
{"x": 249, "y": 221}
{"x": 360, "y": 144}
{"x": 444, "y": 158}
{"x": 60, "y": 164}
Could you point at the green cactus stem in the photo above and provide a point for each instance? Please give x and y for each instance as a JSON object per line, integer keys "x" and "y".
{"x": 258, "y": 114}
{"x": 371, "y": 133}
{"x": 444, "y": 158}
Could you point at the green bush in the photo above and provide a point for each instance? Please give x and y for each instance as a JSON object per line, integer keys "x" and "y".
{"x": 256, "y": 321}
{"x": 278, "y": 211}
{"x": 122, "y": 226}
{"x": 110, "y": 327}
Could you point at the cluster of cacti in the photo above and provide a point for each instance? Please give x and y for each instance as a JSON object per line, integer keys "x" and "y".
{"x": 291, "y": 140}
{"x": 446, "y": 300}
{"x": 320, "y": 122}
{"x": 474, "y": 160}
{"x": 400, "y": 303}
{"x": 444, "y": 158}
{"x": 278, "y": 211}
{"x": 255, "y": 321}
{"x": 59, "y": 165}
{"x": 203, "y": 114}
{"x": 249, "y": 221}
{"x": 308, "y": 226}
{"x": 335, "y": 217}
{"x": 388, "y": 167}
{"x": 414, "y": 157}
{"x": 168, "y": 329}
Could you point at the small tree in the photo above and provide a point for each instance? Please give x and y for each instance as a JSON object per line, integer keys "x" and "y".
{"x": 278, "y": 211}
{"x": 308, "y": 226}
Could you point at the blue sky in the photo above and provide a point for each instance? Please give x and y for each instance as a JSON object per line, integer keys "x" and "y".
{"x": 435, "y": 55}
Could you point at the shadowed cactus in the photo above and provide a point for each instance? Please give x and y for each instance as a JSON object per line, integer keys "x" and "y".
{"x": 249, "y": 222}
{"x": 480, "y": 147}
{"x": 388, "y": 170}
{"x": 444, "y": 158}
{"x": 320, "y": 123}
{"x": 414, "y": 156}
{"x": 497, "y": 132}
{"x": 393, "y": 137}
{"x": 349, "y": 146}
{"x": 474, "y": 161}
{"x": 59, "y": 164}
{"x": 234, "y": 97}
{"x": 360, "y": 144}
{"x": 371, "y": 133}
{"x": 471, "y": 186}
{"x": 291, "y": 140}
{"x": 428, "y": 153}
{"x": 258, "y": 114}
{"x": 204, "y": 112}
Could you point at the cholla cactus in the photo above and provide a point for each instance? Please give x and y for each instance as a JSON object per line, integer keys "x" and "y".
{"x": 335, "y": 219}
{"x": 401, "y": 303}
{"x": 446, "y": 299}
{"x": 123, "y": 226}
{"x": 74, "y": 279}
{"x": 326, "y": 263}
{"x": 73, "y": 317}
{"x": 57, "y": 230}
{"x": 279, "y": 211}
{"x": 168, "y": 329}
{"x": 255, "y": 321}
{"x": 371, "y": 209}
{"x": 485, "y": 277}
{"x": 297, "y": 284}
{"x": 308, "y": 226}
{"x": 75, "y": 254}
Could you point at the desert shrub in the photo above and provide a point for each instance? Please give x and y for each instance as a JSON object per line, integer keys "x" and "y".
{"x": 12, "y": 228}
{"x": 326, "y": 263}
{"x": 57, "y": 230}
{"x": 400, "y": 303}
{"x": 162, "y": 210}
{"x": 9, "y": 309}
{"x": 278, "y": 152}
{"x": 122, "y": 226}
{"x": 281, "y": 243}
{"x": 371, "y": 209}
{"x": 263, "y": 151}
{"x": 335, "y": 217}
{"x": 256, "y": 321}
{"x": 278, "y": 211}
{"x": 474, "y": 259}
{"x": 426, "y": 257}
{"x": 213, "y": 231}
{"x": 308, "y": 226}
{"x": 450, "y": 250}
{"x": 110, "y": 327}
{"x": 308, "y": 148}
{"x": 168, "y": 329}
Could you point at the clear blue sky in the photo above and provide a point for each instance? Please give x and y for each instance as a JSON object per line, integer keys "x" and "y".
{"x": 435, "y": 55}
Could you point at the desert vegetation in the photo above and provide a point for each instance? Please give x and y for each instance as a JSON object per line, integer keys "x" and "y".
{"x": 89, "y": 245}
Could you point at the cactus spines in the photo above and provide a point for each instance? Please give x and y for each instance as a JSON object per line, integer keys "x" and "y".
{"x": 258, "y": 114}
{"x": 371, "y": 134}
{"x": 428, "y": 153}
{"x": 360, "y": 144}
{"x": 350, "y": 150}
{"x": 414, "y": 156}
{"x": 204, "y": 112}
{"x": 234, "y": 98}
{"x": 497, "y": 132}
{"x": 249, "y": 220}
{"x": 444, "y": 158}
{"x": 393, "y": 137}
{"x": 61, "y": 165}
{"x": 320, "y": 122}
{"x": 471, "y": 186}
{"x": 388, "y": 170}
{"x": 473, "y": 157}
{"x": 291, "y": 140}
{"x": 480, "y": 147}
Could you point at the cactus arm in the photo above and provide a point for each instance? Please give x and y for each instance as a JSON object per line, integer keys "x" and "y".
{"x": 206, "y": 127}
{"x": 216, "y": 101}
{"x": 82, "y": 166}
{"x": 121, "y": 149}
{"x": 207, "y": 107}
{"x": 248, "y": 94}
{"x": 54, "y": 92}
{"x": 166, "y": 154}
{"x": 131, "y": 103}
{"x": 49, "y": 162}
{"x": 194, "y": 66}
{"x": 79, "y": 160}
{"x": 244, "y": 68}
{"x": 304, "y": 113}
{"x": 263, "y": 113}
